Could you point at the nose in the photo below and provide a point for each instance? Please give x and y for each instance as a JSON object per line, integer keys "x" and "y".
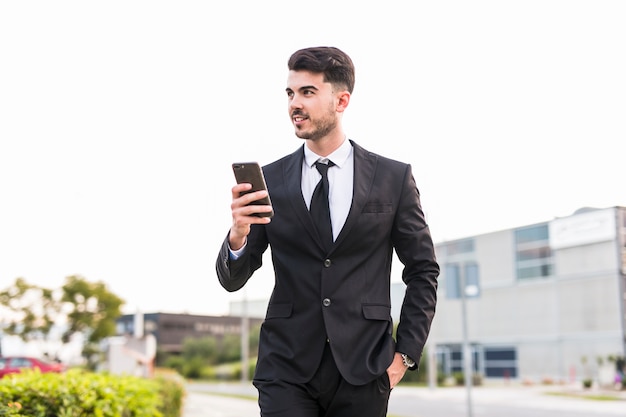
{"x": 294, "y": 102}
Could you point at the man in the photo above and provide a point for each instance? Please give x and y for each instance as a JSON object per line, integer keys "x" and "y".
{"x": 326, "y": 345}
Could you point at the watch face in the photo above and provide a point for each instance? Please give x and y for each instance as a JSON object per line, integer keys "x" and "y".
{"x": 408, "y": 362}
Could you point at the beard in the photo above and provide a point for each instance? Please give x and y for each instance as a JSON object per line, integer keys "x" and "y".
{"x": 320, "y": 127}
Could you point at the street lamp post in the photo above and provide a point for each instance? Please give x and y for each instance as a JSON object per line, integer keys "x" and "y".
{"x": 467, "y": 291}
{"x": 245, "y": 342}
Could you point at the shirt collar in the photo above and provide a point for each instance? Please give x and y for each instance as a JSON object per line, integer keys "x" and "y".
{"x": 339, "y": 156}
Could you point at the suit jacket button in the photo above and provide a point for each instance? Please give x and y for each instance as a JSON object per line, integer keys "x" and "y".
{"x": 327, "y": 263}
{"x": 326, "y": 302}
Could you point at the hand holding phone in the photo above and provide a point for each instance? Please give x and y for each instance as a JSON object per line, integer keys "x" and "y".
{"x": 250, "y": 172}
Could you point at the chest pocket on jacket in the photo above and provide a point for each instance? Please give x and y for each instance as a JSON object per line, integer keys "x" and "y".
{"x": 378, "y": 208}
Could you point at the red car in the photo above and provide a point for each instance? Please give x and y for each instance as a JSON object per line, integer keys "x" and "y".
{"x": 16, "y": 364}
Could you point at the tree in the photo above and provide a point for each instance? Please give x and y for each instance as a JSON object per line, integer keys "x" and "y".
{"x": 203, "y": 347}
{"x": 33, "y": 310}
{"x": 92, "y": 311}
{"x": 81, "y": 306}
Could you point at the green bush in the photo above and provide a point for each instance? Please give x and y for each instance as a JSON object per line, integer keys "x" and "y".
{"x": 79, "y": 393}
{"x": 172, "y": 392}
{"x": 11, "y": 409}
{"x": 176, "y": 363}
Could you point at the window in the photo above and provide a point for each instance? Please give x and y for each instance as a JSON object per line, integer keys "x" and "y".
{"x": 453, "y": 280}
{"x": 450, "y": 358}
{"x": 533, "y": 253}
{"x": 472, "y": 284}
{"x": 500, "y": 362}
{"x": 460, "y": 246}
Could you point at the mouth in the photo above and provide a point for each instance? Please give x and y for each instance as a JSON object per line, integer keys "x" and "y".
{"x": 298, "y": 118}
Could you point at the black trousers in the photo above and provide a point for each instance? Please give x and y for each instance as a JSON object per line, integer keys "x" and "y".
{"x": 326, "y": 395}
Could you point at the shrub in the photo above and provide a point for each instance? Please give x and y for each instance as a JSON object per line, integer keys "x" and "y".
{"x": 172, "y": 392}
{"x": 11, "y": 409}
{"x": 79, "y": 393}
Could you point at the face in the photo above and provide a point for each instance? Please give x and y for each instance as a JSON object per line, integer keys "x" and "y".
{"x": 312, "y": 105}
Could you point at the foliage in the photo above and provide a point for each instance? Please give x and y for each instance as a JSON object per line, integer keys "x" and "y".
{"x": 93, "y": 311}
{"x": 201, "y": 357}
{"x": 172, "y": 393}
{"x": 11, "y": 409}
{"x": 175, "y": 363}
{"x": 82, "y": 394}
{"x": 192, "y": 368}
{"x": 229, "y": 348}
{"x": 34, "y": 310}
{"x": 84, "y": 307}
{"x": 210, "y": 357}
{"x": 204, "y": 348}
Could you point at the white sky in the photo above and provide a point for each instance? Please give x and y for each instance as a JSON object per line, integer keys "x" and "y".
{"x": 119, "y": 121}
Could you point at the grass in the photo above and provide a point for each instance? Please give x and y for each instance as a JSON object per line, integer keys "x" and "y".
{"x": 226, "y": 394}
{"x": 594, "y": 397}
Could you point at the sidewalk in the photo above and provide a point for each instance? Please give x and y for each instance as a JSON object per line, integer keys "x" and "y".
{"x": 199, "y": 404}
{"x": 213, "y": 399}
{"x": 238, "y": 400}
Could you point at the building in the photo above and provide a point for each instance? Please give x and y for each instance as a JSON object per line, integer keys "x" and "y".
{"x": 542, "y": 302}
{"x": 170, "y": 330}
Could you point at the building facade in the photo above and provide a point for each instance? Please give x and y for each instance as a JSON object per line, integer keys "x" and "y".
{"x": 542, "y": 302}
{"x": 170, "y": 330}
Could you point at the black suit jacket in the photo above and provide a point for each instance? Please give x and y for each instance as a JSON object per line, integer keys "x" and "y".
{"x": 342, "y": 295}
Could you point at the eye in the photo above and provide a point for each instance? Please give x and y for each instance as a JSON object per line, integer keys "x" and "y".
{"x": 289, "y": 93}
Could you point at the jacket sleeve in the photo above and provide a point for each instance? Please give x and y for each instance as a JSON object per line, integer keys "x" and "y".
{"x": 233, "y": 274}
{"x": 415, "y": 249}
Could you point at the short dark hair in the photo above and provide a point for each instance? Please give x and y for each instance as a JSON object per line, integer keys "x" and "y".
{"x": 335, "y": 64}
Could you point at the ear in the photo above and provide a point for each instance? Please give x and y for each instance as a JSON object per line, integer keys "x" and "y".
{"x": 343, "y": 99}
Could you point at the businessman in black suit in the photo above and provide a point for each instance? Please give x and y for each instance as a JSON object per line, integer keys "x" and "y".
{"x": 326, "y": 345}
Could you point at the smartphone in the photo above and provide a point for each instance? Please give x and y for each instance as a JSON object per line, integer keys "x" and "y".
{"x": 252, "y": 173}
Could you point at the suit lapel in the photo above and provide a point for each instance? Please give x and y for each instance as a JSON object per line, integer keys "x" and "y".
{"x": 364, "y": 168}
{"x": 293, "y": 179}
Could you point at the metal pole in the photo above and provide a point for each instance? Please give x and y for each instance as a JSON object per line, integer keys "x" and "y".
{"x": 245, "y": 343}
{"x": 621, "y": 270}
{"x": 467, "y": 354}
{"x": 432, "y": 366}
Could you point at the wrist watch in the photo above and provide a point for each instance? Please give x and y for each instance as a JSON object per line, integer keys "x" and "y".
{"x": 408, "y": 362}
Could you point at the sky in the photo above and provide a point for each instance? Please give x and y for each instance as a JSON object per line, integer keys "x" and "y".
{"x": 119, "y": 121}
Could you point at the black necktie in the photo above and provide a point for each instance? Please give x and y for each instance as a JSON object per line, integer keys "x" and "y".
{"x": 319, "y": 205}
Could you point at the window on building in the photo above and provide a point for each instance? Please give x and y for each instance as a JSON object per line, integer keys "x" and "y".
{"x": 500, "y": 362}
{"x": 450, "y": 358}
{"x": 533, "y": 253}
{"x": 459, "y": 246}
{"x": 472, "y": 282}
{"x": 453, "y": 280}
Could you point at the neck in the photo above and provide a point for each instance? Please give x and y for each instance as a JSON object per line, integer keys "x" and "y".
{"x": 326, "y": 145}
